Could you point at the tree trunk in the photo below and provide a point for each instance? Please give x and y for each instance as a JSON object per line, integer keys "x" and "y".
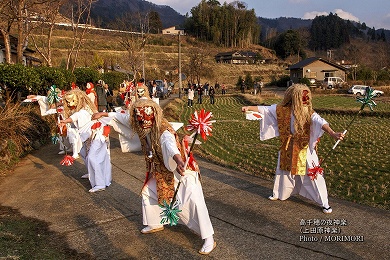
{"x": 7, "y": 46}
{"x": 20, "y": 23}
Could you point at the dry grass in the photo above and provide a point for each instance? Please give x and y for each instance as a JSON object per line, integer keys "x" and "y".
{"x": 22, "y": 129}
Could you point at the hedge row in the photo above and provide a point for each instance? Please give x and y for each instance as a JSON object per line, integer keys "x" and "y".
{"x": 16, "y": 79}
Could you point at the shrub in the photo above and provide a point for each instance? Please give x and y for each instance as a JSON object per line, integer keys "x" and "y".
{"x": 305, "y": 81}
{"x": 114, "y": 79}
{"x": 17, "y": 80}
{"x": 51, "y": 76}
{"x": 281, "y": 82}
{"x": 85, "y": 75}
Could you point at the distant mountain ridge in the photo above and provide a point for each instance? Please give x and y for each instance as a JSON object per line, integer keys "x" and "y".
{"x": 281, "y": 24}
{"x": 105, "y": 12}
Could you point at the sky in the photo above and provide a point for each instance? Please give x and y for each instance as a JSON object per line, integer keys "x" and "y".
{"x": 375, "y": 13}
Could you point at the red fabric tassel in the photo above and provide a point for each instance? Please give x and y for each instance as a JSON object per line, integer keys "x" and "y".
{"x": 96, "y": 125}
{"x": 146, "y": 179}
{"x": 106, "y": 130}
{"x": 67, "y": 161}
{"x": 313, "y": 172}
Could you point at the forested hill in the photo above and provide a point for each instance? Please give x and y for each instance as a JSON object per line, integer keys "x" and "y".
{"x": 105, "y": 12}
{"x": 283, "y": 23}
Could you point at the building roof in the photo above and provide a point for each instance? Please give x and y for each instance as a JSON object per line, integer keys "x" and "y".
{"x": 310, "y": 60}
{"x": 242, "y": 53}
{"x": 176, "y": 27}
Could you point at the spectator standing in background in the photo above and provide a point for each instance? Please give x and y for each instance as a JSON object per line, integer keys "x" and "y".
{"x": 211, "y": 95}
{"x": 261, "y": 84}
{"x": 91, "y": 93}
{"x": 255, "y": 88}
{"x": 109, "y": 98}
{"x": 217, "y": 87}
{"x": 206, "y": 89}
{"x": 200, "y": 93}
{"x": 101, "y": 96}
{"x": 223, "y": 89}
{"x": 191, "y": 94}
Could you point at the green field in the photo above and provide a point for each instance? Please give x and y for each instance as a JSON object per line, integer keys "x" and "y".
{"x": 357, "y": 170}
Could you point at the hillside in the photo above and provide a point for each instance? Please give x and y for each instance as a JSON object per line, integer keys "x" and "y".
{"x": 162, "y": 59}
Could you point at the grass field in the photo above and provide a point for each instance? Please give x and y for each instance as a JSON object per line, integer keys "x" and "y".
{"x": 357, "y": 170}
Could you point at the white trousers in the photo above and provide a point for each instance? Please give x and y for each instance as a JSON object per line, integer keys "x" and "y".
{"x": 286, "y": 184}
{"x": 194, "y": 212}
{"x": 74, "y": 139}
{"x": 98, "y": 164}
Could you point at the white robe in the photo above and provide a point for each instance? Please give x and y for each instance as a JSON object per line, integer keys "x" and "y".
{"x": 128, "y": 139}
{"x": 285, "y": 183}
{"x": 97, "y": 159}
{"x": 194, "y": 212}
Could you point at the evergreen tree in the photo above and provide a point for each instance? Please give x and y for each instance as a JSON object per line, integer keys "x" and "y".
{"x": 328, "y": 32}
{"x": 230, "y": 25}
{"x": 155, "y": 24}
{"x": 287, "y": 44}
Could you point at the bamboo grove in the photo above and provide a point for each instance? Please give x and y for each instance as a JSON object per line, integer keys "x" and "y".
{"x": 229, "y": 25}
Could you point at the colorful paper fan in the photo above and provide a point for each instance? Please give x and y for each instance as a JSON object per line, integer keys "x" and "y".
{"x": 53, "y": 97}
{"x": 313, "y": 172}
{"x": 169, "y": 213}
{"x": 201, "y": 123}
{"x": 55, "y": 138}
{"x": 367, "y": 99}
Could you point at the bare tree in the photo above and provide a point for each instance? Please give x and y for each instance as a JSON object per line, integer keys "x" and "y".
{"x": 6, "y": 21}
{"x": 24, "y": 12}
{"x": 49, "y": 14}
{"x": 80, "y": 13}
{"x": 134, "y": 42}
{"x": 196, "y": 67}
{"x": 19, "y": 16}
{"x": 381, "y": 53}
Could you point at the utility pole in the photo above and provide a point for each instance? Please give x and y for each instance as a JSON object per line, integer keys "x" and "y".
{"x": 143, "y": 54}
{"x": 179, "y": 66}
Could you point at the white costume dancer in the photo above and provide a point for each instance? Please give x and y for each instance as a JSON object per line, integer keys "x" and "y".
{"x": 190, "y": 194}
{"x": 298, "y": 150}
{"x": 164, "y": 158}
{"x": 285, "y": 183}
{"x": 92, "y": 135}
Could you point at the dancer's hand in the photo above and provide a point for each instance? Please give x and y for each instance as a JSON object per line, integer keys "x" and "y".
{"x": 99, "y": 115}
{"x": 249, "y": 108}
{"x": 180, "y": 164}
{"x": 338, "y": 135}
{"x": 244, "y": 109}
{"x": 65, "y": 121}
